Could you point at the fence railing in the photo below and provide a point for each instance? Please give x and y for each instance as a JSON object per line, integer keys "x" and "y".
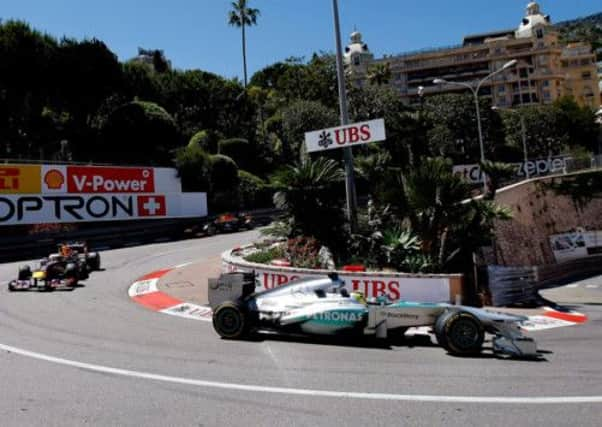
{"x": 520, "y": 285}
{"x": 114, "y": 235}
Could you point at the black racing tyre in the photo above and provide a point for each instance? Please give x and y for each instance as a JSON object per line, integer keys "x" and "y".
{"x": 48, "y": 286}
{"x": 230, "y": 320}
{"x": 71, "y": 275}
{"x": 93, "y": 261}
{"x": 460, "y": 333}
{"x": 11, "y": 287}
{"x": 24, "y": 273}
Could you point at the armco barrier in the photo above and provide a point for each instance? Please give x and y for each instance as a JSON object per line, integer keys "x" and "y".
{"x": 397, "y": 286}
{"x": 113, "y": 235}
{"x": 519, "y": 285}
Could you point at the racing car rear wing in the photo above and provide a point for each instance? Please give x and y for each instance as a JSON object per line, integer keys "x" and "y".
{"x": 230, "y": 287}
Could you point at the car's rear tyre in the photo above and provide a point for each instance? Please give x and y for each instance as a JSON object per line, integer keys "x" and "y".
{"x": 230, "y": 320}
{"x": 460, "y": 333}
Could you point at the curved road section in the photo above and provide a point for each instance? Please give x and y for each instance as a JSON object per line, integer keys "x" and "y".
{"x": 92, "y": 356}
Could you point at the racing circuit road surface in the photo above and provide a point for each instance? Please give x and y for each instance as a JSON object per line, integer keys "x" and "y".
{"x": 92, "y": 356}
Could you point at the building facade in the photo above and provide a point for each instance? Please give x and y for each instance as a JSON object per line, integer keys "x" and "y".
{"x": 545, "y": 71}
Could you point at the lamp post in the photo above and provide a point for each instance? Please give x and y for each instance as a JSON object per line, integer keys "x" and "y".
{"x": 348, "y": 155}
{"x": 523, "y": 133}
{"x": 474, "y": 87}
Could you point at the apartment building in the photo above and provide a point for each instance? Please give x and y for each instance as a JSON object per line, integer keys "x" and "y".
{"x": 545, "y": 69}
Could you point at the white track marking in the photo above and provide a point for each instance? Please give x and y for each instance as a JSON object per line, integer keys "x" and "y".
{"x": 302, "y": 392}
{"x": 143, "y": 287}
{"x": 591, "y": 286}
{"x": 574, "y": 285}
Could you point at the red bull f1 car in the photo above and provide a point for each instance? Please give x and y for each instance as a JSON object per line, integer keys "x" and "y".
{"x": 70, "y": 265}
{"x": 324, "y": 306}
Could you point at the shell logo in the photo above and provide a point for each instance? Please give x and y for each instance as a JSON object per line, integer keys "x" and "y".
{"x": 54, "y": 179}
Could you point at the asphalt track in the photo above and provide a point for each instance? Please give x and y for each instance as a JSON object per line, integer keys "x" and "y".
{"x": 92, "y": 356}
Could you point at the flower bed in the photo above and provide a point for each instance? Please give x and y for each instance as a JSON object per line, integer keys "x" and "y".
{"x": 397, "y": 286}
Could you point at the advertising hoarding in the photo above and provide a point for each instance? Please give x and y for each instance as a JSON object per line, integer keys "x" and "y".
{"x": 70, "y": 179}
{"x": 537, "y": 167}
{"x": 61, "y": 208}
{"x": 20, "y": 179}
{"x": 579, "y": 244}
{"x": 345, "y": 136}
{"x": 49, "y": 193}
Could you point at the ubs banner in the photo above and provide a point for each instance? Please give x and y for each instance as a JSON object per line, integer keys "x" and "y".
{"x": 33, "y": 194}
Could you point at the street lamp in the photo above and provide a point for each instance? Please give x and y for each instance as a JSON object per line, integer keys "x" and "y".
{"x": 348, "y": 155}
{"x": 474, "y": 88}
{"x": 523, "y": 133}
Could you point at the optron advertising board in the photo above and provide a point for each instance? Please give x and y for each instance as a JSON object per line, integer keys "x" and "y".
{"x": 33, "y": 194}
{"x": 61, "y": 208}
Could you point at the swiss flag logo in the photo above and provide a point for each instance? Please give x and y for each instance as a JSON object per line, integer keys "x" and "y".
{"x": 151, "y": 206}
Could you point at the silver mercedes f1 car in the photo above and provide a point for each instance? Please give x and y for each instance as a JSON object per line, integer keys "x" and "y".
{"x": 323, "y": 306}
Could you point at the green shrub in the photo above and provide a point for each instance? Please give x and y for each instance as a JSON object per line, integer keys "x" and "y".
{"x": 238, "y": 149}
{"x": 224, "y": 194}
{"x": 141, "y": 132}
{"x": 266, "y": 255}
{"x": 206, "y": 139}
{"x": 224, "y": 173}
{"x": 254, "y": 192}
{"x": 194, "y": 166}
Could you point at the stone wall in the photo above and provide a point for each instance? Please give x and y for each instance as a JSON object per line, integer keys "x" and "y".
{"x": 540, "y": 210}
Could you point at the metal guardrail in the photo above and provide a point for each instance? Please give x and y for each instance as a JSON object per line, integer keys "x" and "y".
{"x": 520, "y": 285}
{"x": 114, "y": 235}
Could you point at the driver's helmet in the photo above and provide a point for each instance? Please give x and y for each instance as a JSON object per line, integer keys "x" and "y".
{"x": 66, "y": 250}
{"x": 358, "y": 296}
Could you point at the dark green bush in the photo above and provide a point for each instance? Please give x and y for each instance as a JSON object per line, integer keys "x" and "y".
{"x": 238, "y": 149}
{"x": 206, "y": 139}
{"x": 266, "y": 255}
{"x": 194, "y": 168}
{"x": 254, "y": 192}
{"x": 224, "y": 194}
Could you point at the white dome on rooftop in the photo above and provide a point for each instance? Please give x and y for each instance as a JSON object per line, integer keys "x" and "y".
{"x": 533, "y": 18}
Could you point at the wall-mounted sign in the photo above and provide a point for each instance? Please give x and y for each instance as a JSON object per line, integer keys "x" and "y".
{"x": 537, "y": 167}
{"x": 61, "y": 179}
{"x": 34, "y": 194}
{"x": 20, "y": 179}
{"x": 345, "y": 136}
{"x": 580, "y": 244}
{"x": 60, "y": 208}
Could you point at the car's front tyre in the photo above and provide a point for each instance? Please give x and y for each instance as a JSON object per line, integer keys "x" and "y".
{"x": 460, "y": 333}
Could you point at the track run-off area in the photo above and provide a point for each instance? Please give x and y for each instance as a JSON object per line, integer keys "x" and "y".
{"x": 93, "y": 356}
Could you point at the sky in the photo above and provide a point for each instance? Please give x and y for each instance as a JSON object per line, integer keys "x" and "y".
{"x": 194, "y": 34}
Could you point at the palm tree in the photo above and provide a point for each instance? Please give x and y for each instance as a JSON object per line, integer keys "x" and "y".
{"x": 379, "y": 74}
{"x": 241, "y": 16}
{"x": 310, "y": 196}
